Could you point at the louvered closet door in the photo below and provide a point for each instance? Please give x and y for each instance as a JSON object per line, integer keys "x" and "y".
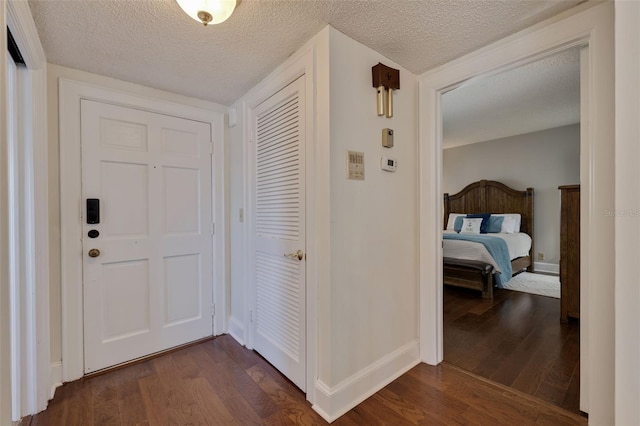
{"x": 279, "y": 319}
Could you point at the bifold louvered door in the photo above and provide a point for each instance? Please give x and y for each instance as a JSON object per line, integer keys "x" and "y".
{"x": 279, "y": 231}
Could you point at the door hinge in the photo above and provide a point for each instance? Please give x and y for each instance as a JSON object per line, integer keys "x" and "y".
{"x": 213, "y": 229}
{"x": 213, "y": 309}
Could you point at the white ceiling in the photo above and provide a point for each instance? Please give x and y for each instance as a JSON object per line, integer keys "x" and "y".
{"x": 153, "y": 43}
{"x": 541, "y": 95}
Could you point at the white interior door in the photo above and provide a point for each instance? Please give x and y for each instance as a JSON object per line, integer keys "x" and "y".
{"x": 279, "y": 231}
{"x": 150, "y": 286}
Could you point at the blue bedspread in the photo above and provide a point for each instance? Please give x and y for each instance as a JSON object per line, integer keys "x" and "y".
{"x": 496, "y": 247}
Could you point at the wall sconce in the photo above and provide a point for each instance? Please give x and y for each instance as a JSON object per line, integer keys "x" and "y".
{"x": 208, "y": 11}
{"x": 385, "y": 79}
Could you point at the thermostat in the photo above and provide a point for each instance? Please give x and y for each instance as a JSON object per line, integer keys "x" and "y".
{"x": 388, "y": 164}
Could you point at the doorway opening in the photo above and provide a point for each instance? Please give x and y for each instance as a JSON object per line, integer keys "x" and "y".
{"x": 591, "y": 27}
{"x": 519, "y": 127}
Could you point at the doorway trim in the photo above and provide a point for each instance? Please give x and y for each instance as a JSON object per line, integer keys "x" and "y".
{"x": 25, "y": 261}
{"x": 70, "y": 94}
{"x": 303, "y": 63}
{"x": 589, "y": 26}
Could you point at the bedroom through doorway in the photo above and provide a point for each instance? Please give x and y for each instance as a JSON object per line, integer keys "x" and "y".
{"x": 518, "y": 129}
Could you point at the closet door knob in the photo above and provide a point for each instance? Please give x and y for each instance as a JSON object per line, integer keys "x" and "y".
{"x": 297, "y": 255}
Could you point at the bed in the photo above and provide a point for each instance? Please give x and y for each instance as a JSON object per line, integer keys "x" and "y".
{"x": 481, "y": 197}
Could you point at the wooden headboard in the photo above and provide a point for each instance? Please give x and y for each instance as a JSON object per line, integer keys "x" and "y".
{"x": 489, "y": 196}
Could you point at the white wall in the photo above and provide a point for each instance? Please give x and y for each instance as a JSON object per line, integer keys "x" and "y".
{"x": 363, "y": 257}
{"x": 540, "y": 160}
{"x": 55, "y": 72}
{"x": 5, "y": 318}
{"x": 237, "y": 254}
{"x": 374, "y": 227}
{"x": 627, "y": 217}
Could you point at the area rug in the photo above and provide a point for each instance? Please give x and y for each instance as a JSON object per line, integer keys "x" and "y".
{"x": 544, "y": 285}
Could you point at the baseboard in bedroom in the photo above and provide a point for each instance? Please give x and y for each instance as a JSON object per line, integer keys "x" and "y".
{"x": 333, "y": 402}
{"x": 236, "y": 330}
{"x": 55, "y": 377}
{"x": 546, "y": 268}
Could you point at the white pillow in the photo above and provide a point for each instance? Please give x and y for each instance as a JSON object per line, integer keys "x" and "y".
{"x": 452, "y": 220}
{"x": 508, "y": 225}
{"x": 471, "y": 226}
{"x": 517, "y": 220}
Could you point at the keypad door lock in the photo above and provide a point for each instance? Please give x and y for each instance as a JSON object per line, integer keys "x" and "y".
{"x": 93, "y": 211}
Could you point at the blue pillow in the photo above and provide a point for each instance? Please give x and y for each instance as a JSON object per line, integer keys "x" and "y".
{"x": 485, "y": 220}
{"x": 457, "y": 225}
{"x": 495, "y": 224}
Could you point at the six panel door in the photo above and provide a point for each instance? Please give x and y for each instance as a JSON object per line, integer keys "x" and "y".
{"x": 149, "y": 288}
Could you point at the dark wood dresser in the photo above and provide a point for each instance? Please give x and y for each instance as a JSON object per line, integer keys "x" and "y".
{"x": 569, "y": 252}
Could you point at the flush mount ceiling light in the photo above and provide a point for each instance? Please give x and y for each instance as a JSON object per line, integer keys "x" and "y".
{"x": 208, "y": 11}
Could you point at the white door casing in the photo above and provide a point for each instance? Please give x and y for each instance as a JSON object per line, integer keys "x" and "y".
{"x": 73, "y": 87}
{"x": 279, "y": 320}
{"x": 25, "y": 328}
{"x": 591, "y": 27}
{"x": 150, "y": 287}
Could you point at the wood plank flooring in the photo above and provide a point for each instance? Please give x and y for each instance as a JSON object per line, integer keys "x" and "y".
{"x": 219, "y": 382}
{"x": 517, "y": 340}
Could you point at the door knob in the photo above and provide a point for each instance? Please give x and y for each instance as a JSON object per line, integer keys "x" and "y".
{"x": 94, "y": 253}
{"x": 297, "y": 255}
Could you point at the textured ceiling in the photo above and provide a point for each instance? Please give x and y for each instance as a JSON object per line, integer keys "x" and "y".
{"x": 153, "y": 43}
{"x": 541, "y": 95}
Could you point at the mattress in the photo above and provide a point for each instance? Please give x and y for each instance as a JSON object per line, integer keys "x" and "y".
{"x": 518, "y": 244}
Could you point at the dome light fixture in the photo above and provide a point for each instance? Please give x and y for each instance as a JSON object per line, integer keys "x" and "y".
{"x": 208, "y": 11}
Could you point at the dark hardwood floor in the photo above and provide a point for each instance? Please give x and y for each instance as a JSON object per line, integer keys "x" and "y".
{"x": 219, "y": 382}
{"x": 517, "y": 340}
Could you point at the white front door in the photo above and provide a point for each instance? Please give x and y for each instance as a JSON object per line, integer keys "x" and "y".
{"x": 279, "y": 231}
{"x": 149, "y": 286}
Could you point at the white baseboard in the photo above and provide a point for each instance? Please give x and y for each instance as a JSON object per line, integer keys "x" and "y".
{"x": 332, "y": 403}
{"x": 547, "y": 268}
{"x": 55, "y": 377}
{"x": 236, "y": 330}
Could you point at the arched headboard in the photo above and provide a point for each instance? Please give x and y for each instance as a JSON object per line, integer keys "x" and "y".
{"x": 489, "y": 196}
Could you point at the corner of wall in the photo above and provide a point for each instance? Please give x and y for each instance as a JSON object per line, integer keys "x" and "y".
{"x": 547, "y": 268}
{"x": 333, "y": 402}
{"x": 627, "y": 203}
{"x": 236, "y": 189}
{"x": 237, "y": 330}
{"x": 354, "y": 361}
{"x": 321, "y": 208}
